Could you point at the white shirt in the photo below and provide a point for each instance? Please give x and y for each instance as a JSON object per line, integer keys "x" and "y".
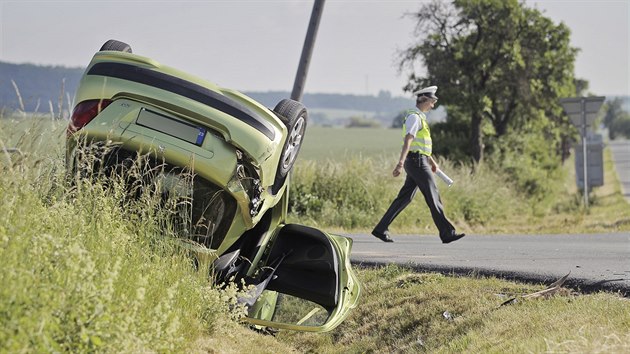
{"x": 413, "y": 123}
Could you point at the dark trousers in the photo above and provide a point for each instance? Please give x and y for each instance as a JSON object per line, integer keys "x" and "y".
{"x": 419, "y": 176}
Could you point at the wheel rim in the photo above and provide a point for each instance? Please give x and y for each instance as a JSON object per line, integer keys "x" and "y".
{"x": 293, "y": 145}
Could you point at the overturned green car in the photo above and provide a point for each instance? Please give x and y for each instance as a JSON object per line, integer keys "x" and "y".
{"x": 229, "y": 158}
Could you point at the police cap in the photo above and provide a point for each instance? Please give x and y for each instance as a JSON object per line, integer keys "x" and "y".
{"x": 427, "y": 92}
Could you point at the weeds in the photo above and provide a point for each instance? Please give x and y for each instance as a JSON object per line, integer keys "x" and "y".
{"x": 83, "y": 272}
{"x": 355, "y": 193}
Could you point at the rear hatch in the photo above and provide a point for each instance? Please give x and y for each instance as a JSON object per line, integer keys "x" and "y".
{"x": 240, "y": 121}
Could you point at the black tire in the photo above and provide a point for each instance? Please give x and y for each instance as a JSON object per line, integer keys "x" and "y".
{"x": 294, "y": 115}
{"x": 117, "y": 46}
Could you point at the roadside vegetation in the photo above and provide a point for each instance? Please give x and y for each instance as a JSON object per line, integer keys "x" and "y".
{"x": 350, "y": 190}
{"x": 616, "y": 119}
{"x": 82, "y": 272}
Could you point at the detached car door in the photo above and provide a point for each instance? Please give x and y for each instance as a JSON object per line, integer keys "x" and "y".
{"x": 306, "y": 281}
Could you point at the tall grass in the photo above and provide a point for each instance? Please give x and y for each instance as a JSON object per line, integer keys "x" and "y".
{"x": 356, "y": 192}
{"x": 83, "y": 272}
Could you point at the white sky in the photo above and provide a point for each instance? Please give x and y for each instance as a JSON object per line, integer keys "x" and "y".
{"x": 255, "y": 45}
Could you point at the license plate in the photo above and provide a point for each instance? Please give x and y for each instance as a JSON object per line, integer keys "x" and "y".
{"x": 171, "y": 126}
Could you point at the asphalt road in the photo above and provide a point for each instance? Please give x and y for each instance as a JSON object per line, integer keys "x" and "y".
{"x": 595, "y": 262}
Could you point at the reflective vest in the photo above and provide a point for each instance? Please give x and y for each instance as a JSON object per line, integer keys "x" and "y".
{"x": 422, "y": 142}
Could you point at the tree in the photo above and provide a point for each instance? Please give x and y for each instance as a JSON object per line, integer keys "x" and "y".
{"x": 616, "y": 119}
{"x": 494, "y": 61}
{"x": 613, "y": 110}
{"x": 399, "y": 119}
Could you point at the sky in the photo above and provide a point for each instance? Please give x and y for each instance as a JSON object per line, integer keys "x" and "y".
{"x": 256, "y": 45}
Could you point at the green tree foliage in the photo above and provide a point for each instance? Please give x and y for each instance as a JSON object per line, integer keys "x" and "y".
{"x": 616, "y": 119}
{"x": 399, "y": 119}
{"x": 613, "y": 111}
{"x": 451, "y": 138}
{"x": 621, "y": 127}
{"x": 499, "y": 64}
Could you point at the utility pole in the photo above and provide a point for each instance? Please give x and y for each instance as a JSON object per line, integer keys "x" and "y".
{"x": 307, "y": 50}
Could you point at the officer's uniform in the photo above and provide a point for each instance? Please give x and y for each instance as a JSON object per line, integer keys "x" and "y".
{"x": 419, "y": 176}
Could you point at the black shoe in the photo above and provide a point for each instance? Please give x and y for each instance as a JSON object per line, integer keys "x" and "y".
{"x": 383, "y": 236}
{"x": 452, "y": 237}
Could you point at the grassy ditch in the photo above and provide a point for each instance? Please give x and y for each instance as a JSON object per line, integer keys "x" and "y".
{"x": 83, "y": 271}
{"x": 83, "y": 274}
{"x": 80, "y": 275}
{"x": 406, "y": 312}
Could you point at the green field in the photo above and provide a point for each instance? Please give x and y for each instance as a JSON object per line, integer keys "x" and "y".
{"x": 332, "y": 114}
{"x": 322, "y": 143}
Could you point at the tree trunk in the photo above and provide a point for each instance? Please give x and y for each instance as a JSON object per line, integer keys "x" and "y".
{"x": 501, "y": 127}
{"x": 476, "y": 144}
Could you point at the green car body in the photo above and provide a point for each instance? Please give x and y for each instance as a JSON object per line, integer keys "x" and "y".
{"x": 240, "y": 154}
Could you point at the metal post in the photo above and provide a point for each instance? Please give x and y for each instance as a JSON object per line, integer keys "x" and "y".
{"x": 307, "y": 50}
{"x": 584, "y": 151}
{"x": 576, "y": 109}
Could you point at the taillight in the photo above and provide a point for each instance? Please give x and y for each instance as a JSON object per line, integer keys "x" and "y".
{"x": 84, "y": 112}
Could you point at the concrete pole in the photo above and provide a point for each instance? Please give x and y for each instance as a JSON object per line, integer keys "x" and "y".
{"x": 307, "y": 50}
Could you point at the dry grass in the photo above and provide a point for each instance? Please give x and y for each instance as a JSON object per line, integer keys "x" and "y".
{"x": 608, "y": 210}
{"x": 404, "y": 312}
{"x": 233, "y": 338}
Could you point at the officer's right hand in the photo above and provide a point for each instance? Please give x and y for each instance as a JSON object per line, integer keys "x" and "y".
{"x": 397, "y": 170}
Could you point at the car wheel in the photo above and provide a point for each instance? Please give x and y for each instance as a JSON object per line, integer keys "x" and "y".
{"x": 294, "y": 115}
{"x": 117, "y": 46}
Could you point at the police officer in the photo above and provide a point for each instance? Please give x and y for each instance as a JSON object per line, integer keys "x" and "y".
{"x": 416, "y": 158}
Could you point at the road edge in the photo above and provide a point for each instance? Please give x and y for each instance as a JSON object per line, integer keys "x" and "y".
{"x": 581, "y": 285}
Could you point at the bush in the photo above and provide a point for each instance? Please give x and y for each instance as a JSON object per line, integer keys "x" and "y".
{"x": 620, "y": 127}
{"x": 362, "y": 122}
{"x": 336, "y": 193}
{"x": 451, "y": 140}
{"x": 531, "y": 164}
